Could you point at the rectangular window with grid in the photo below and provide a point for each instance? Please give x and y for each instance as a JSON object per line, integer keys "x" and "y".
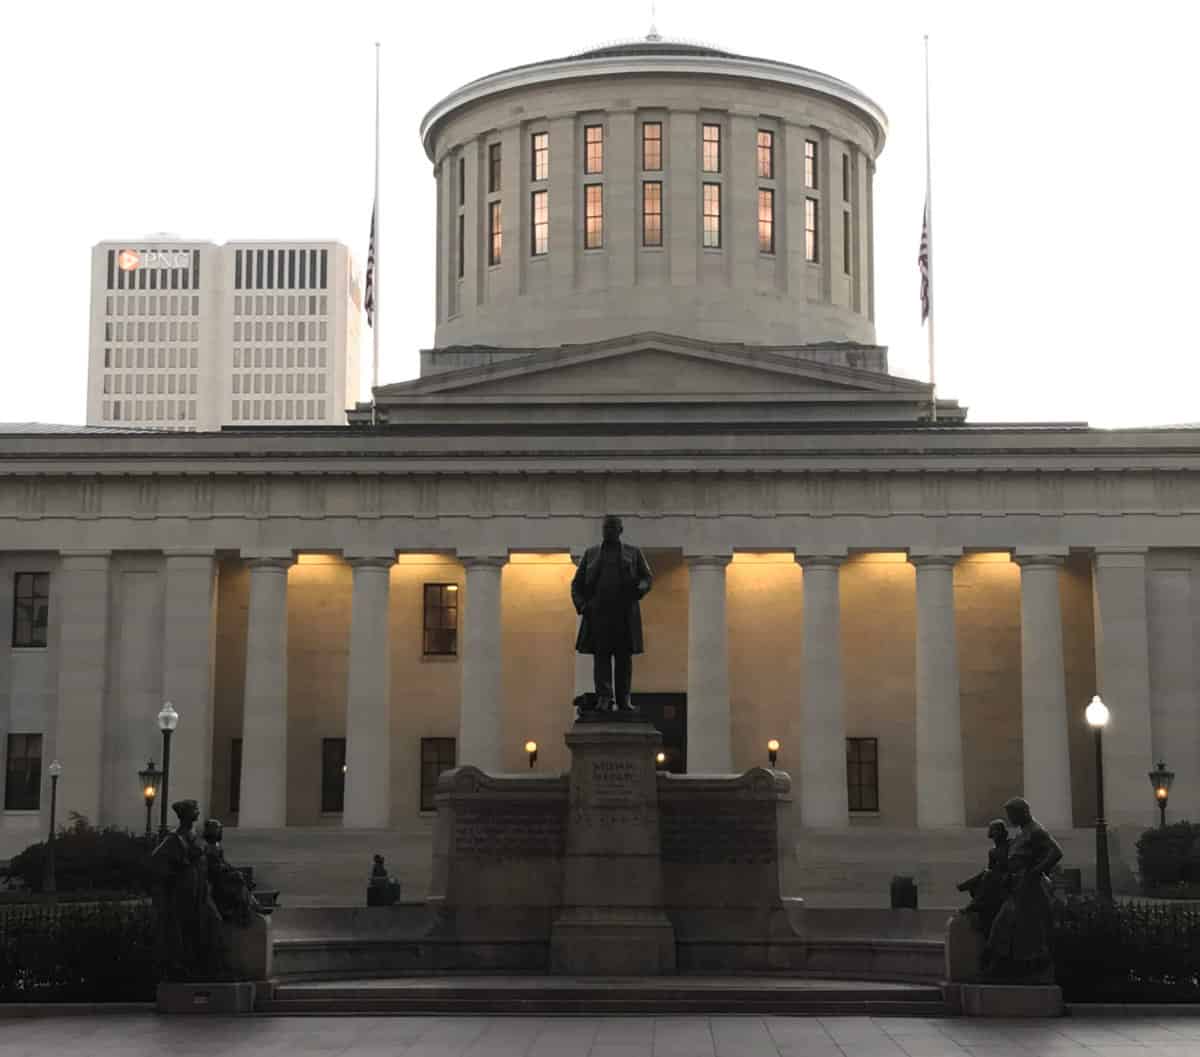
{"x": 593, "y": 149}
{"x": 495, "y": 233}
{"x": 712, "y": 216}
{"x": 493, "y": 168}
{"x": 846, "y": 241}
{"x": 23, "y": 773}
{"x": 766, "y": 154}
{"x": 540, "y": 167}
{"x": 810, "y": 163}
{"x": 235, "y": 764}
{"x": 811, "y": 241}
{"x": 652, "y": 145}
{"x": 539, "y": 223}
{"x": 333, "y": 775}
{"x": 652, "y": 232}
{"x": 862, "y": 773}
{"x": 31, "y": 608}
{"x": 593, "y": 216}
{"x": 710, "y": 160}
{"x": 441, "y": 620}
{"x": 437, "y": 755}
{"x": 766, "y": 220}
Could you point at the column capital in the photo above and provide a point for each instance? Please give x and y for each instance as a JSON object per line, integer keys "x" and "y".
{"x": 713, "y": 561}
{"x": 1039, "y": 560}
{"x": 483, "y": 561}
{"x": 277, "y": 563}
{"x": 820, "y": 561}
{"x": 373, "y": 561}
{"x": 945, "y": 559}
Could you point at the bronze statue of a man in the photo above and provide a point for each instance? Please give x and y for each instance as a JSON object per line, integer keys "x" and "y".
{"x": 611, "y": 580}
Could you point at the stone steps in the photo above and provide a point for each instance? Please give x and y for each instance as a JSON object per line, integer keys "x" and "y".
{"x": 594, "y": 996}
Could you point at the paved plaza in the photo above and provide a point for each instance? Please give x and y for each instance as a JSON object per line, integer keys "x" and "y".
{"x": 692, "y": 1036}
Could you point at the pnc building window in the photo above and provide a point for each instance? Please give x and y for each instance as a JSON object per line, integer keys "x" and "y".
{"x": 766, "y": 155}
{"x": 495, "y": 233}
{"x": 862, "y": 774}
{"x": 811, "y": 234}
{"x": 437, "y": 755}
{"x": 652, "y": 234}
{"x": 810, "y": 164}
{"x": 712, "y": 216}
{"x": 766, "y": 220}
{"x": 593, "y": 214}
{"x": 593, "y": 149}
{"x": 710, "y": 160}
{"x": 441, "y": 620}
{"x": 541, "y": 156}
{"x": 333, "y": 775}
{"x": 493, "y": 168}
{"x": 23, "y": 773}
{"x": 539, "y": 218}
{"x": 652, "y": 145}
{"x": 31, "y": 609}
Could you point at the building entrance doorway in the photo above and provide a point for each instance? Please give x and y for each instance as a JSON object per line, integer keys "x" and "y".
{"x": 668, "y": 712}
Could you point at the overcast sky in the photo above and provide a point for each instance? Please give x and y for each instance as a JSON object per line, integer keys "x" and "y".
{"x": 1065, "y": 168}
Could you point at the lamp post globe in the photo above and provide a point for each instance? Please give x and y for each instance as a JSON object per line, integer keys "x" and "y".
{"x": 168, "y": 720}
{"x": 773, "y": 751}
{"x": 1161, "y": 779}
{"x": 1097, "y": 716}
{"x": 50, "y": 883}
{"x": 531, "y": 748}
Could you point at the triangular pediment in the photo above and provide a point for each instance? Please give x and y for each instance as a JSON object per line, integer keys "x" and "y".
{"x": 652, "y": 367}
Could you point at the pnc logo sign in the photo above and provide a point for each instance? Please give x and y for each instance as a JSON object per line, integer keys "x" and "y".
{"x": 131, "y": 260}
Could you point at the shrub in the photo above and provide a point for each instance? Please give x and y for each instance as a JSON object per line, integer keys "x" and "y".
{"x": 87, "y": 859}
{"x": 1170, "y": 855}
{"x": 1127, "y": 952}
{"x": 95, "y": 952}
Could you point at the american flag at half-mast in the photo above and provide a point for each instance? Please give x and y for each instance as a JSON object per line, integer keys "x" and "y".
{"x": 369, "y": 292}
{"x": 922, "y": 263}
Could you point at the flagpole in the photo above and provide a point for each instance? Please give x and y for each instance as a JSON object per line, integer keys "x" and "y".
{"x": 929, "y": 241}
{"x": 375, "y": 313}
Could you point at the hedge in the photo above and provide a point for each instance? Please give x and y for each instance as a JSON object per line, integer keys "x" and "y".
{"x": 75, "y": 952}
{"x": 1169, "y": 856}
{"x": 1127, "y": 952}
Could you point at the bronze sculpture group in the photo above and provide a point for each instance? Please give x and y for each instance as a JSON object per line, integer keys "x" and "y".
{"x": 1012, "y": 900}
{"x": 195, "y": 892}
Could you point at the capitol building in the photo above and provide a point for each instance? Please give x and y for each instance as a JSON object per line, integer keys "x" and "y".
{"x": 655, "y": 298}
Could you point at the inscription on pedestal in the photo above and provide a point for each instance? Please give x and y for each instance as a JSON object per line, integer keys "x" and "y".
{"x": 509, "y": 830}
{"x": 613, "y": 781}
{"x": 711, "y": 832}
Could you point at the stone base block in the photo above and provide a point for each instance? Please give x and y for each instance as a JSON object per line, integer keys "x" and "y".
{"x": 964, "y": 949}
{"x": 615, "y": 942}
{"x": 235, "y": 997}
{"x": 1011, "y": 1000}
{"x": 249, "y": 949}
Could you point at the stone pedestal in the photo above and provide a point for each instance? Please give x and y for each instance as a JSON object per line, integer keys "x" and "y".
{"x": 612, "y": 922}
{"x": 1012, "y": 1000}
{"x": 224, "y": 997}
{"x": 964, "y": 950}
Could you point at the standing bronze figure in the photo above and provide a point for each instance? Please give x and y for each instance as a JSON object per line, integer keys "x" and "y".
{"x": 988, "y": 888}
{"x": 188, "y": 923}
{"x": 1018, "y": 945}
{"x": 611, "y": 580}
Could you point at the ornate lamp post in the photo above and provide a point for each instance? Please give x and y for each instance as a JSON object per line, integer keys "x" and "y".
{"x": 50, "y": 883}
{"x": 1161, "y": 779}
{"x": 168, "y": 720}
{"x": 150, "y": 776}
{"x": 773, "y": 751}
{"x": 531, "y": 752}
{"x": 1097, "y": 717}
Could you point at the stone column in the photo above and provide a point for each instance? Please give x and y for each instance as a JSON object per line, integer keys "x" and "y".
{"x": 1047, "y": 761}
{"x": 1123, "y": 678}
{"x": 709, "y": 735}
{"x": 265, "y": 712}
{"x": 368, "y": 698}
{"x": 584, "y": 681}
{"x": 82, "y": 592}
{"x": 481, "y": 726}
{"x": 189, "y": 641}
{"x": 823, "y": 801}
{"x": 940, "y": 797}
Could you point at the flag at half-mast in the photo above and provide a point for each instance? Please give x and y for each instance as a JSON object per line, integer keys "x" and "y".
{"x": 369, "y": 292}
{"x": 923, "y": 263}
